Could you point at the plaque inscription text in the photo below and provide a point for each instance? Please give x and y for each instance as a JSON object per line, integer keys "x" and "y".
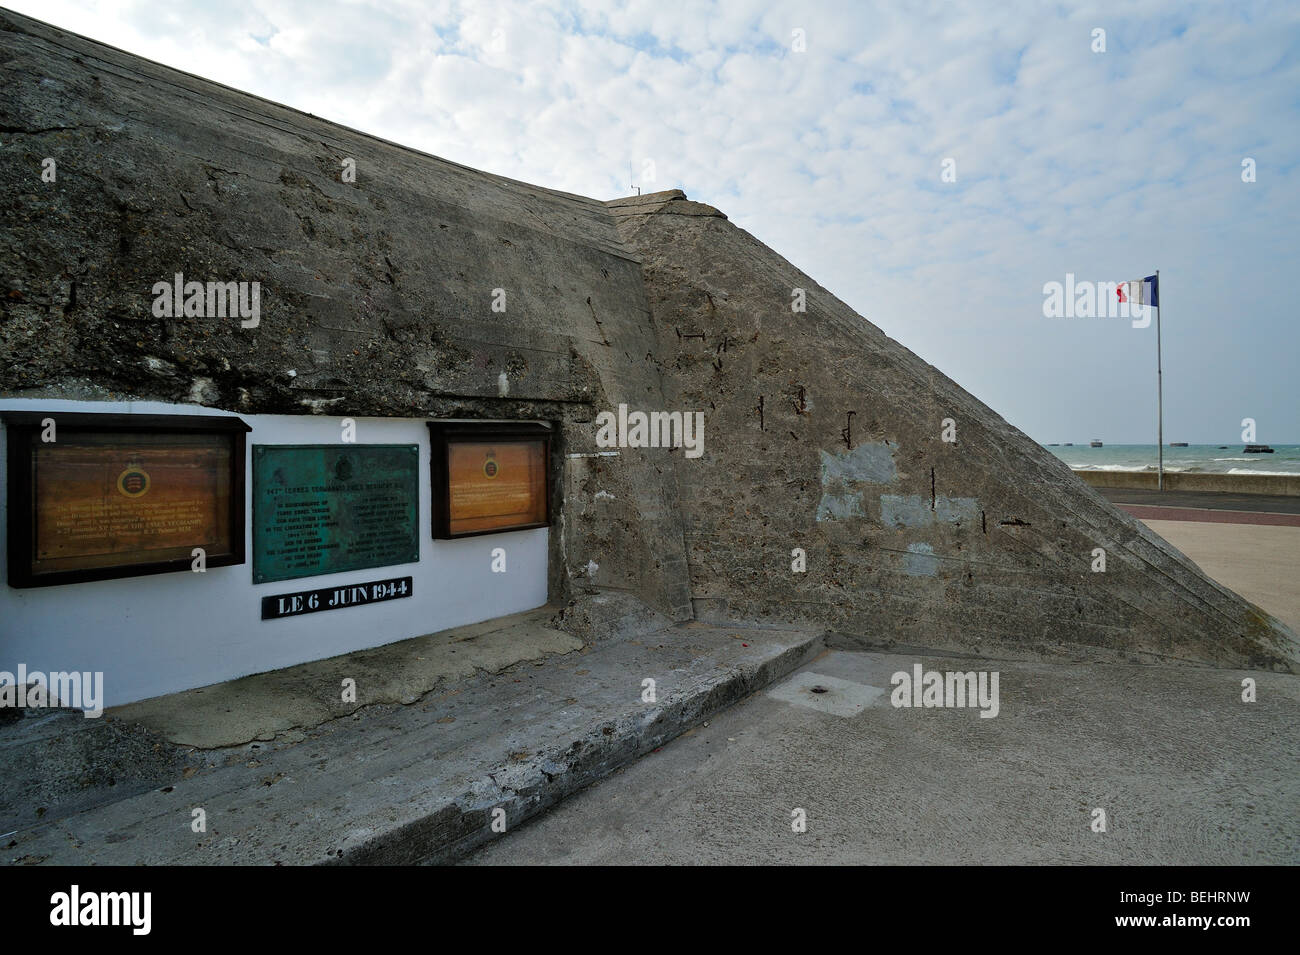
{"x": 496, "y": 485}
{"x": 322, "y": 509}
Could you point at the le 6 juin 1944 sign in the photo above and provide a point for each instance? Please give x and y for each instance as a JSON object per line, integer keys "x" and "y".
{"x": 335, "y": 598}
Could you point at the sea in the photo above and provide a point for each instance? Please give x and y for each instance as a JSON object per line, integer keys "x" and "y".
{"x": 1207, "y": 458}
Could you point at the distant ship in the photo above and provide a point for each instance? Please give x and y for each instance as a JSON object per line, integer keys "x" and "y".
{"x": 1257, "y": 449}
{"x": 1177, "y": 444}
{"x": 1053, "y": 445}
{"x": 1094, "y": 443}
{"x": 1223, "y": 447}
{"x": 1068, "y": 444}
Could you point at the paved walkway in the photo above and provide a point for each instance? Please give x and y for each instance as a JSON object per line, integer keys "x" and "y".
{"x": 1205, "y": 500}
{"x": 1147, "y": 513}
{"x": 1261, "y": 563}
{"x": 1185, "y": 772}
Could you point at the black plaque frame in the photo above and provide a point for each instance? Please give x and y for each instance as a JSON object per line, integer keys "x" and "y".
{"x": 23, "y": 429}
{"x": 443, "y": 433}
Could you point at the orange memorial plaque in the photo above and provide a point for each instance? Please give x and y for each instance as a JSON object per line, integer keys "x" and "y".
{"x": 100, "y": 503}
{"x": 489, "y": 478}
{"x": 497, "y": 485}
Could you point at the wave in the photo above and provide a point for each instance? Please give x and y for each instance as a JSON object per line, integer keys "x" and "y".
{"x": 1190, "y": 469}
{"x": 1129, "y": 468}
{"x": 1109, "y": 467}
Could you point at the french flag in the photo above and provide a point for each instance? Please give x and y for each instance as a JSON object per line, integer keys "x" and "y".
{"x": 1140, "y": 291}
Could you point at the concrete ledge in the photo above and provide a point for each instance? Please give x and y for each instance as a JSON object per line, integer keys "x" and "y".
{"x": 260, "y": 706}
{"x": 1281, "y": 484}
{"x": 565, "y": 767}
{"x": 394, "y": 784}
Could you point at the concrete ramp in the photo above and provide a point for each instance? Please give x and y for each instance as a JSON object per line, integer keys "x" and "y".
{"x": 925, "y": 518}
{"x": 391, "y": 784}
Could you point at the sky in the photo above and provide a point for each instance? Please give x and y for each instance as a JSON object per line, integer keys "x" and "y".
{"x": 932, "y": 165}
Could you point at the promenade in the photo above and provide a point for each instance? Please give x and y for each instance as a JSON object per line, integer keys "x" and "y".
{"x": 1247, "y": 542}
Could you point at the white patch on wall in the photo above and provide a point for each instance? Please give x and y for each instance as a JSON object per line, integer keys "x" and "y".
{"x": 838, "y": 507}
{"x": 920, "y": 561}
{"x": 845, "y": 474}
{"x": 870, "y": 462}
{"x": 912, "y": 510}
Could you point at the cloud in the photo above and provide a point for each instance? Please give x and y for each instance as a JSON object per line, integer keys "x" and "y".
{"x": 1108, "y": 165}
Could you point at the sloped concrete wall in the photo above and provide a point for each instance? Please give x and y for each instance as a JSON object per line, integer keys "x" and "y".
{"x": 822, "y": 434}
{"x": 827, "y": 436}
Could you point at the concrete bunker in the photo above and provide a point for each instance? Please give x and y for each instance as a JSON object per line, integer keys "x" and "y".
{"x": 424, "y": 291}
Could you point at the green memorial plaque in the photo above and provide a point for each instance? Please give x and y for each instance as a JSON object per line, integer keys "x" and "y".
{"x": 325, "y": 508}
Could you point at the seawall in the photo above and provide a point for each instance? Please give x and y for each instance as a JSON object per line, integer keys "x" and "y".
{"x": 1281, "y": 484}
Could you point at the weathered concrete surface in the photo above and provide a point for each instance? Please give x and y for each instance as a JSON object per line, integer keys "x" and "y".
{"x": 376, "y": 296}
{"x": 1186, "y": 773}
{"x": 378, "y": 293}
{"x": 57, "y": 762}
{"x": 300, "y": 697}
{"x": 984, "y": 543}
{"x": 62, "y": 762}
{"x": 400, "y": 784}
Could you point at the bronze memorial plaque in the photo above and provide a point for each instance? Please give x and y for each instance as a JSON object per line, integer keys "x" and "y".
{"x": 326, "y": 508}
{"x": 122, "y": 498}
{"x": 489, "y": 479}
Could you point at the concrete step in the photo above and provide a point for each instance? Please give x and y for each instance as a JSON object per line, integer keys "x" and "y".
{"x": 400, "y": 784}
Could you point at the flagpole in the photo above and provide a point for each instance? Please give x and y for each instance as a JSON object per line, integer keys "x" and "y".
{"x": 1160, "y": 395}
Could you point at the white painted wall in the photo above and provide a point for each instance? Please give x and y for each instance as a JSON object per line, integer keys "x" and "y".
{"x": 167, "y": 632}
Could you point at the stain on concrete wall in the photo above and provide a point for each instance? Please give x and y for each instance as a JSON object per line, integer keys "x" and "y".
{"x": 839, "y": 507}
{"x": 870, "y": 462}
{"x": 913, "y": 510}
